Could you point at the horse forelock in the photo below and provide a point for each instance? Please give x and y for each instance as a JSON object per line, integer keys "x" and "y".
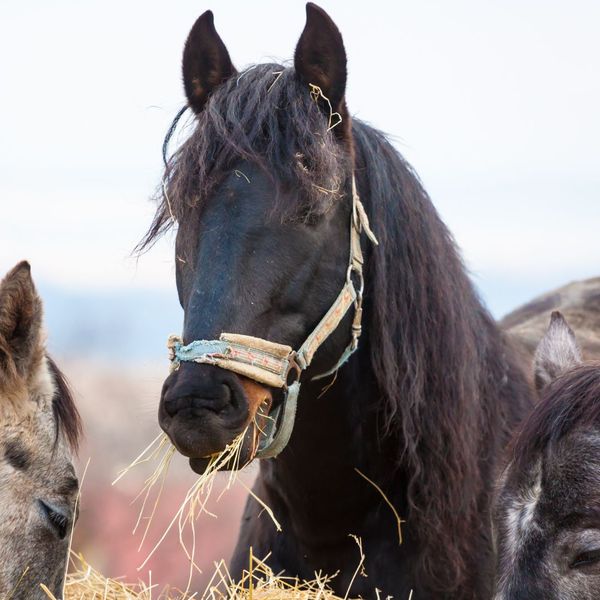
{"x": 264, "y": 116}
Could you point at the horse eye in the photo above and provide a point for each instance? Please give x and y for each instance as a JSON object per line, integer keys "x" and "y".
{"x": 586, "y": 559}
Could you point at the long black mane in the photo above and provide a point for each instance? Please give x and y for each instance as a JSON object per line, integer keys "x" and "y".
{"x": 439, "y": 361}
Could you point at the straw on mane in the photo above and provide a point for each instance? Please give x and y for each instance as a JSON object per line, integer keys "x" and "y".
{"x": 437, "y": 357}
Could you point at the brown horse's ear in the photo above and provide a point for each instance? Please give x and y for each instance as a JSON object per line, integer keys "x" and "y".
{"x": 206, "y": 62}
{"x": 320, "y": 57}
{"x": 557, "y": 352}
{"x": 20, "y": 320}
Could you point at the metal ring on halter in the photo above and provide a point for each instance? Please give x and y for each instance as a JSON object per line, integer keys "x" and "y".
{"x": 295, "y": 368}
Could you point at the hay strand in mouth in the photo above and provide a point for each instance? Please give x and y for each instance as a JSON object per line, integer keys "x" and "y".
{"x": 196, "y": 499}
{"x": 195, "y": 502}
{"x": 159, "y": 474}
{"x": 147, "y": 455}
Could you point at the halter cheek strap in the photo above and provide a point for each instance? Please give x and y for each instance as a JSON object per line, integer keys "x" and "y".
{"x": 276, "y": 364}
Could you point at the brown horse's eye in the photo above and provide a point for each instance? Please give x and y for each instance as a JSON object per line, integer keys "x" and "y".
{"x": 585, "y": 559}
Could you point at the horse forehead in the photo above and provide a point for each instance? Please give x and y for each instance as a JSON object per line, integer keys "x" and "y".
{"x": 243, "y": 200}
{"x": 245, "y": 188}
{"x": 573, "y": 471}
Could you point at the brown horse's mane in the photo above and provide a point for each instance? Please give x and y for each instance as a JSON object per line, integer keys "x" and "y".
{"x": 447, "y": 384}
{"x": 440, "y": 361}
{"x": 569, "y": 403}
{"x": 66, "y": 415}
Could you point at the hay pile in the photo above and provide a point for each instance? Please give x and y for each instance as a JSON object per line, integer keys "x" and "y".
{"x": 260, "y": 583}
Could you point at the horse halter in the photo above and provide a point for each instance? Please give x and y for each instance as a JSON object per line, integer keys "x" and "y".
{"x": 278, "y": 365}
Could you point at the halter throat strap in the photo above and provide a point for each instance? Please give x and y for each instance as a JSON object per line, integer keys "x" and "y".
{"x": 278, "y": 365}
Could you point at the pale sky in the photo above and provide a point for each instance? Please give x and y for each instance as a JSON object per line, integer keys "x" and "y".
{"x": 494, "y": 103}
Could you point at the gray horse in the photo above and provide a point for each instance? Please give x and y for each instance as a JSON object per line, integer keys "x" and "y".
{"x": 39, "y": 431}
{"x": 547, "y": 512}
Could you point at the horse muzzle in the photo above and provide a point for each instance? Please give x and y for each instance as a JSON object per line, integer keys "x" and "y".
{"x": 203, "y": 408}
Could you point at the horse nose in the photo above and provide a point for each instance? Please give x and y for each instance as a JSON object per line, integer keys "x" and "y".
{"x": 196, "y": 398}
{"x": 58, "y": 519}
{"x": 196, "y": 389}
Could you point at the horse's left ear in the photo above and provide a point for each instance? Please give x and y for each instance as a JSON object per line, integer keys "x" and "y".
{"x": 320, "y": 57}
{"x": 557, "y": 352}
{"x": 206, "y": 62}
{"x": 20, "y": 320}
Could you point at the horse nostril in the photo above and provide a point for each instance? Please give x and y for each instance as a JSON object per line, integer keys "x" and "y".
{"x": 216, "y": 401}
{"x": 56, "y": 518}
{"x": 172, "y": 407}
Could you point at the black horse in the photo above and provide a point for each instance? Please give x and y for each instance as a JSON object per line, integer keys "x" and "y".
{"x": 262, "y": 194}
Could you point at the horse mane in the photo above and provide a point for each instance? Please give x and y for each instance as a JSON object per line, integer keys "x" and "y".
{"x": 569, "y": 403}
{"x": 439, "y": 361}
{"x": 66, "y": 415}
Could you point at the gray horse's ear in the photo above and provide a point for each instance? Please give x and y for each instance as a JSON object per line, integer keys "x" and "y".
{"x": 20, "y": 321}
{"x": 557, "y": 352}
{"x": 206, "y": 62}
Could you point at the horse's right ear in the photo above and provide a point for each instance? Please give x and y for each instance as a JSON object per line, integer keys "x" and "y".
{"x": 206, "y": 62}
{"x": 20, "y": 321}
{"x": 557, "y": 352}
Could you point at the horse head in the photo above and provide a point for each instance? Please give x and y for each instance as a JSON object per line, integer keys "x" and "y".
{"x": 547, "y": 517}
{"x": 262, "y": 193}
{"x": 38, "y": 435}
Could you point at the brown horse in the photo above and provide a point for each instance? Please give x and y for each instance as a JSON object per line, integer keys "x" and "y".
{"x": 39, "y": 431}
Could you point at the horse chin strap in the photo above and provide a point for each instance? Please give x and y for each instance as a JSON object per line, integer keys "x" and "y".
{"x": 278, "y": 365}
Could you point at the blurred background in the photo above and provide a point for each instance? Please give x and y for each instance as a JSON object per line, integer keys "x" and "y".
{"x": 495, "y": 104}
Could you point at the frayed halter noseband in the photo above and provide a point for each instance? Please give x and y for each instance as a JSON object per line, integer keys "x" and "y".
{"x": 277, "y": 365}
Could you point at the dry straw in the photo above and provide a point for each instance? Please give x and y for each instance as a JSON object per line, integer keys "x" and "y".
{"x": 85, "y": 583}
{"x": 258, "y": 583}
{"x": 161, "y": 451}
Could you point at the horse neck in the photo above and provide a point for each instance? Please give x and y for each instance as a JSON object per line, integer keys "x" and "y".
{"x": 334, "y": 435}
